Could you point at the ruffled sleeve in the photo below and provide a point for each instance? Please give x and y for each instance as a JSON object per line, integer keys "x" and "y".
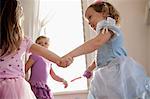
{"x": 29, "y": 43}
{"x": 109, "y": 24}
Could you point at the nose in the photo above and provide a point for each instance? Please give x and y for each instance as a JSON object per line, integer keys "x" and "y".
{"x": 42, "y": 44}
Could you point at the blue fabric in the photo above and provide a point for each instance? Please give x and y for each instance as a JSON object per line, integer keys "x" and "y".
{"x": 122, "y": 78}
{"x": 114, "y": 47}
{"x": 117, "y": 76}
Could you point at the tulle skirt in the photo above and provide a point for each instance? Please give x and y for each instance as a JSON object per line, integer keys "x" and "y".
{"x": 15, "y": 88}
{"x": 122, "y": 78}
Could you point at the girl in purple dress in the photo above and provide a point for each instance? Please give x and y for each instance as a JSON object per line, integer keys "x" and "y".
{"x": 40, "y": 70}
{"x": 13, "y": 45}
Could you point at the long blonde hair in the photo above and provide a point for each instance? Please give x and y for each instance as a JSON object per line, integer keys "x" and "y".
{"x": 11, "y": 32}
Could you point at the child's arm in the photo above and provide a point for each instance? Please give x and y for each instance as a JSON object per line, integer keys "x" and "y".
{"x": 28, "y": 64}
{"x": 88, "y": 72}
{"x": 58, "y": 78}
{"x": 91, "y": 67}
{"x": 39, "y": 50}
{"x": 89, "y": 46}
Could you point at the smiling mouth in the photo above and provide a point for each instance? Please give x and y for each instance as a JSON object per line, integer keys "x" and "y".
{"x": 94, "y": 27}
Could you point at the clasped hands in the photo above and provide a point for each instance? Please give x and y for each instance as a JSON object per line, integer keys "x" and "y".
{"x": 65, "y": 61}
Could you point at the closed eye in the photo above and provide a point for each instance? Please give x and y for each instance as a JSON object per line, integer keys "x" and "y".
{"x": 46, "y": 43}
{"x": 89, "y": 17}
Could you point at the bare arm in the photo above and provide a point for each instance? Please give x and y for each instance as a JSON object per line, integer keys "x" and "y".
{"x": 29, "y": 64}
{"x": 92, "y": 66}
{"x": 91, "y": 45}
{"x": 86, "y": 48}
{"x": 58, "y": 78}
{"x": 55, "y": 77}
{"x": 39, "y": 50}
{"x": 88, "y": 73}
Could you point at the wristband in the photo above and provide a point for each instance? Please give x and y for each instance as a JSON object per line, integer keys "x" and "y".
{"x": 87, "y": 74}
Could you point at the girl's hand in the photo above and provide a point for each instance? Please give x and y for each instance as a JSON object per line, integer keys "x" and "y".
{"x": 66, "y": 61}
{"x": 65, "y": 83}
{"x": 87, "y": 74}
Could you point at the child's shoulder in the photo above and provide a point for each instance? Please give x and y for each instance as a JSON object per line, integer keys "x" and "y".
{"x": 26, "y": 43}
{"x": 27, "y": 39}
{"x": 34, "y": 56}
{"x": 109, "y": 23}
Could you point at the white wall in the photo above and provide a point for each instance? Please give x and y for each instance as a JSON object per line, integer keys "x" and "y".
{"x": 31, "y": 22}
{"x": 72, "y": 95}
{"x": 149, "y": 51}
{"x": 135, "y": 29}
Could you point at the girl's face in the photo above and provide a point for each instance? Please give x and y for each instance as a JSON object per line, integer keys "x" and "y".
{"x": 43, "y": 42}
{"x": 93, "y": 17}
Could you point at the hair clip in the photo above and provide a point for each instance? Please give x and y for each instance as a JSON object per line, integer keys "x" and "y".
{"x": 98, "y": 1}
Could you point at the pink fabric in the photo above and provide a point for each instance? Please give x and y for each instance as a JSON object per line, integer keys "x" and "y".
{"x": 12, "y": 82}
{"x": 41, "y": 65}
{"x": 12, "y": 66}
{"x": 39, "y": 75}
{"x": 41, "y": 90}
{"x": 98, "y": 1}
{"x": 87, "y": 74}
{"x": 16, "y": 88}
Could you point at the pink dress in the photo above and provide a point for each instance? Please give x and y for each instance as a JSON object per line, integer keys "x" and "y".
{"x": 12, "y": 74}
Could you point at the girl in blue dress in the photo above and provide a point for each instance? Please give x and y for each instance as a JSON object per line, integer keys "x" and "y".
{"x": 117, "y": 75}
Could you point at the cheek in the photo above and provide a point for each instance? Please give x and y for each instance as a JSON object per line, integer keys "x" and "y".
{"x": 40, "y": 44}
{"x": 99, "y": 17}
{"x": 47, "y": 46}
{"x": 98, "y": 20}
{"x": 92, "y": 21}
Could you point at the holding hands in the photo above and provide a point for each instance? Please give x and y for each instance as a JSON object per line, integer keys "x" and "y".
{"x": 65, "y": 61}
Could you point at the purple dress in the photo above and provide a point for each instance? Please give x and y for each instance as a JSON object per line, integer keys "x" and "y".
{"x": 39, "y": 76}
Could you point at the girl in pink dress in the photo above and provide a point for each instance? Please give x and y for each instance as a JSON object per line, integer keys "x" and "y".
{"x": 40, "y": 70}
{"x": 13, "y": 45}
